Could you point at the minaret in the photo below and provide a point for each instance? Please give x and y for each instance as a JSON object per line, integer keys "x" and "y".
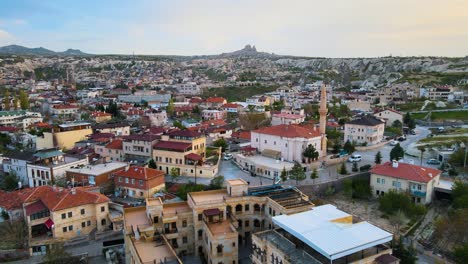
{"x": 323, "y": 120}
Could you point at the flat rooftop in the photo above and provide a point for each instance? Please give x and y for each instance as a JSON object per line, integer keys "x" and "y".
{"x": 235, "y": 182}
{"x": 331, "y": 232}
{"x": 136, "y": 216}
{"x": 268, "y": 162}
{"x": 207, "y": 197}
{"x": 221, "y": 228}
{"x": 175, "y": 208}
{"x": 149, "y": 251}
{"x": 99, "y": 169}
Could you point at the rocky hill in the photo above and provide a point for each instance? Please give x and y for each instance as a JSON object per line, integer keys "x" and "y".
{"x": 21, "y": 50}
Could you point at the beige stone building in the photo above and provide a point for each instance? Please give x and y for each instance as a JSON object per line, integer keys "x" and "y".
{"x": 138, "y": 182}
{"x": 210, "y": 224}
{"x": 389, "y": 116}
{"x": 64, "y": 136}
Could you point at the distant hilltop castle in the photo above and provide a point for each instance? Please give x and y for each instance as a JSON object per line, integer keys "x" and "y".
{"x": 250, "y": 48}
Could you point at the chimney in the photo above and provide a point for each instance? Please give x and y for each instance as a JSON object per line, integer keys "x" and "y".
{"x": 127, "y": 167}
{"x": 20, "y": 185}
{"x": 73, "y": 181}
{"x": 73, "y": 191}
{"x": 395, "y": 164}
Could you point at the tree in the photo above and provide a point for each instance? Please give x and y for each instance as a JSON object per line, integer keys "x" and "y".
{"x": 6, "y": 99}
{"x": 349, "y": 147}
{"x": 253, "y": 120}
{"x": 152, "y": 164}
{"x": 178, "y": 125}
{"x": 409, "y": 121}
{"x": 343, "y": 170}
{"x": 284, "y": 175}
{"x": 378, "y": 158}
{"x": 311, "y": 153}
{"x": 15, "y": 102}
{"x": 221, "y": 142}
{"x": 458, "y": 158}
{"x": 422, "y": 149}
{"x": 175, "y": 173}
{"x": 278, "y": 105}
{"x": 14, "y": 233}
{"x": 397, "y": 124}
{"x": 10, "y": 182}
{"x": 397, "y": 153}
{"x": 297, "y": 173}
{"x": 406, "y": 255}
{"x": 460, "y": 194}
{"x": 314, "y": 175}
{"x": 56, "y": 254}
{"x": 217, "y": 182}
{"x": 461, "y": 254}
{"x": 170, "y": 107}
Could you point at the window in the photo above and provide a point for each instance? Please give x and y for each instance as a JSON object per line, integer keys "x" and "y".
{"x": 133, "y": 181}
{"x": 103, "y": 222}
{"x": 247, "y": 223}
{"x": 141, "y": 193}
{"x": 141, "y": 182}
{"x": 383, "y": 181}
{"x": 247, "y": 207}
{"x": 126, "y": 180}
{"x": 419, "y": 187}
{"x": 200, "y": 217}
{"x": 64, "y": 229}
{"x": 377, "y": 192}
{"x": 184, "y": 223}
{"x": 266, "y": 141}
{"x": 64, "y": 216}
{"x": 82, "y": 211}
{"x": 70, "y": 228}
{"x": 103, "y": 208}
{"x": 378, "y": 180}
{"x": 219, "y": 249}
{"x": 70, "y": 214}
{"x": 120, "y": 179}
{"x": 88, "y": 223}
{"x": 83, "y": 224}
{"x": 184, "y": 240}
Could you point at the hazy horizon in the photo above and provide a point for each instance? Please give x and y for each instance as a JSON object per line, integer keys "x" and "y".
{"x": 336, "y": 29}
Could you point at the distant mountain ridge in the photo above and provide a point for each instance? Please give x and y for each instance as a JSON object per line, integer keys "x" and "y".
{"x": 21, "y": 50}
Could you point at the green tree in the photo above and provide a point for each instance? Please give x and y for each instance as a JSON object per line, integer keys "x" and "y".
{"x": 349, "y": 147}
{"x": 14, "y": 234}
{"x": 278, "y": 105}
{"x": 348, "y": 188}
{"x": 297, "y": 172}
{"x": 461, "y": 254}
{"x": 152, "y": 164}
{"x": 15, "y": 102}
{"x": 284, "y": 175}
{"x": 6, "y": 99}
{"x": 56, "y": 254}
{"x": 10, "y": 182}
{"x": 458, "y": 157}
{"x": 170, "y": 107}
{"x": 217, "y": 182}
{"x": 397, "y": 124}
{"x": 175, "y": 173}
{"x": 343, "y": 170}
{"x": 378, "y": 157}
{"x": 406, "y": 255}
{"x": 407, "y": 118}
{"x": 314, "y": 175}
{"x": 178, "y": 125}
{"x": 397, "y": 153}
{"x": 221, "y": 142}
{"x": 460, "y": 194}
{"x": 311, "y": 153}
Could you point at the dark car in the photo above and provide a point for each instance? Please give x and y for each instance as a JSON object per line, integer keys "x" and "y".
{"x": 365, "y": 168}
{"x": 401, "y": 139}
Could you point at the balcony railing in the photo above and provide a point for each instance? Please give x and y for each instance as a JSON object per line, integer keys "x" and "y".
{"x": 170, "y": 230}
{"x": 418, "y": 193}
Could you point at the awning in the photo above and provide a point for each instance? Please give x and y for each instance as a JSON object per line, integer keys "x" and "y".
{"x": 34, "y": 208}
{"x": 193, "y": 156}
{"x": 49, "y": 223}
{"x": 248, "y": 148}
{"x": 212, "y": 212}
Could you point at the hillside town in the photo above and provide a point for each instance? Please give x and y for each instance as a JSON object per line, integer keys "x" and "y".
{"x": 243, "y": 157}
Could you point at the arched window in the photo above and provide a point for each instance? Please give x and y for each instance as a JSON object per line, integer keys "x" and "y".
{"x": 238, "y": 208}
{"x": 256, "y": 207}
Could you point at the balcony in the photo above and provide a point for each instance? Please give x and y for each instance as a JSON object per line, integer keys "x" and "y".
{"x": 418, "y": 193}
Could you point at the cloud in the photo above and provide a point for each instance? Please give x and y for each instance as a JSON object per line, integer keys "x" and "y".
{"x": 6, "y": 38}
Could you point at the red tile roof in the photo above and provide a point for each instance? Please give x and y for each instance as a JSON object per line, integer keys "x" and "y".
{"x": 231, "y": 105}
{"x": 218, "y": 100}
{"x": 8, "y": 129}
{"x": 13, "y": 200}
{"x": 115, "y": 144}
{"x": 406, "y": 171}
{"x": 172, "y": 145}
{"x": 242, "y": 134}
{"x": 97, "y": 114}
{"x": 289, "y": 131}
{"x": 141, "y": 173}
{"x": 65, "y": 106}
{"x": 193, "y": 156}
{"x": 215, "y": 122}
{"x": 184, "y": 133}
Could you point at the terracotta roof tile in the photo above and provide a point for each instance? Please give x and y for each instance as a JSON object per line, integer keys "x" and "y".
{"x": 115, "y": 144}
{"x": 406, "y": 171}
{"x": 289, "y": 131}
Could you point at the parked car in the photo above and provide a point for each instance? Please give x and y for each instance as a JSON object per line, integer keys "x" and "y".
{"x": 412, "y": 132}
{"x": 401, "y": 138}
{"x": 365, "y": 167}
{"x": 433, "y": 162}
{"x": 227, "y": 156}
{"x": 355, "y": 158}
{"x": 393, "y": 143}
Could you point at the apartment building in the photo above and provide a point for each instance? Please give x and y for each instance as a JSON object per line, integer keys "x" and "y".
{"x": 50, "y": 165}
{"x": 64, "y": 136}
{"x": 157, "y": 117}
{"x": 364, "y": 130}
{"x": 288, "y": 117}
{"x": 138, "y": 182}
{"x": 63, "y": 110}
{"x": 16, "y": 162}
{"x": 416, "y": 180}
{"x": 311, "y": 237}
{"x": 211, "y": 224}
{"x": 189, "y": 88}
{"x": 214, "y": 102}
{"x": 138, "y": 147}
{"x": 100, "y": 117}
{"x": 209, "y": 114}
{"x": 110, "y": 151}
{"x": 100, "y": 175}
{"x": 19, "y": 118}
{"x": 55, "y": 214}
{"x": 118, "y": 129}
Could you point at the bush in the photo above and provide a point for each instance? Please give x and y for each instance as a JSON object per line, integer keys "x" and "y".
{"x": 394, "y": 201}
{"x": 343, "y": 170}
{"x": 365, "y": 167}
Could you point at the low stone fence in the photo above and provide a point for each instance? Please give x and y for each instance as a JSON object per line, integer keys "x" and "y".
{"x": 366, "y": 148}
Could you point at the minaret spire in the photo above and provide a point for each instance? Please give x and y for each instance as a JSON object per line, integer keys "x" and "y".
{"x": 323, "y": 120}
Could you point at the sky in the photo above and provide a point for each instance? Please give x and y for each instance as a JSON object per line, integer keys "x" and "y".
{"x": 331, "y": 28}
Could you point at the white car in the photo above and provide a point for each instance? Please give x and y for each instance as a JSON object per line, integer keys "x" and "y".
{"x": 393, "y": 143}
{"x": 355, "y": 158}
{"x": 227, "y": 156}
